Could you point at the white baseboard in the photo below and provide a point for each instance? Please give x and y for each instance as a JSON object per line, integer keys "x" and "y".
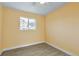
{"x": 39, "y": 43}
{"x": 69, "y": 53}
{"x": 6, "y": 49}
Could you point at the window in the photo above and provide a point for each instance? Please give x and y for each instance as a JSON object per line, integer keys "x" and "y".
{"x": 23, "y": 23}
{"x": 27, "y": 24}
{"x": 32, "y": 24}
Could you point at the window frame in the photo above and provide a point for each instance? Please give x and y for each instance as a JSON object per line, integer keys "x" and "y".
{"x": 28, "y": 24}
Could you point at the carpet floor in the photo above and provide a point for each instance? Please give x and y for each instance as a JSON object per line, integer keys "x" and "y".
{"x": 42, "y": 49}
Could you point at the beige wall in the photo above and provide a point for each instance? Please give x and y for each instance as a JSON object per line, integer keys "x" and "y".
{"x": 62, "y": 28}
{"x": 59, "y": 28}
{"x": 13, "y": 36}
{"x": 1, "y": 28}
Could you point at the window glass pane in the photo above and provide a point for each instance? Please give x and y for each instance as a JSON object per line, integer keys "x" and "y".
{"x": 32, "y": 24}
{"x": 23, "y": 23}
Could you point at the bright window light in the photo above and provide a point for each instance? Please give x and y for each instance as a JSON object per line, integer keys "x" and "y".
{"x": 27, "y": 24}
{"x": 23, "y": 23}
{"x": 32, "y": 24}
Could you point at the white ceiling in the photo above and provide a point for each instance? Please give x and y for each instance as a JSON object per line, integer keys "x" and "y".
{"x": 34, "y": 7}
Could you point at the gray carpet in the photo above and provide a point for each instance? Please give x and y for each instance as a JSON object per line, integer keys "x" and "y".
{"x": 42, "y": 49}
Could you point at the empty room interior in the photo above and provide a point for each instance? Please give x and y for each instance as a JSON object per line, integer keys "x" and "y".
{"x": 39, "y": 28}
